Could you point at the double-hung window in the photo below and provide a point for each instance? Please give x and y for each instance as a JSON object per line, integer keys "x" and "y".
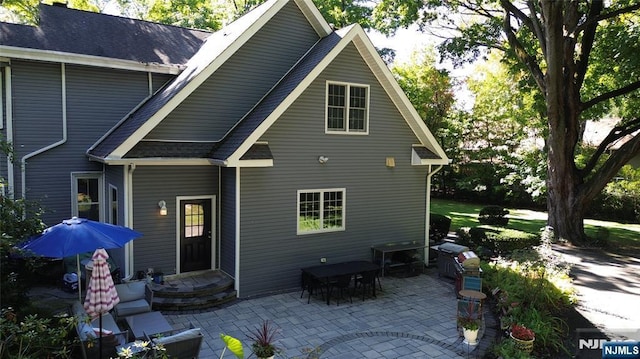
{"x": 321, "y": 210}
{"x": 86, "y": 193}
{"x": 347, "y": 108}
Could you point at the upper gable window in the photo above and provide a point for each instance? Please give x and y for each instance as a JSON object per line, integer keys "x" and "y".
{"x": 347, "y": 108}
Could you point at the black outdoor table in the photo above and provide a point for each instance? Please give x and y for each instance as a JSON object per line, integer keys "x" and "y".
{"x": 325, "y": 272}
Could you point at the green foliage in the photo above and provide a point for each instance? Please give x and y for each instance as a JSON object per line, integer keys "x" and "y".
{"x": 488, "y": 240}
{"x": 34, "y": 337}
{"x": 438, "y": 226}
{"x": 532, "y": 288}
{"x": 429, "y": 89}
{"x": 494, "y": 215}
{"x": 507, "y": 349}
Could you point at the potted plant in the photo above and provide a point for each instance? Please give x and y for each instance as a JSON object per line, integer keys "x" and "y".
{"x": 263, "y": 341}
{"x": 469, "y": 322}
{"x": 470, "y": 328}
{"x": 523, "y": 337}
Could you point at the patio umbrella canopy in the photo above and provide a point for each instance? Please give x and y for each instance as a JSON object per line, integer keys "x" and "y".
{"x": 101, "y": 292}
{"x": 78, "y": 235}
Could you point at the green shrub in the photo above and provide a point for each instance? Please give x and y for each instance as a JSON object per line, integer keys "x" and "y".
{"x": 496, "y": 240}
{"x": 34, "y": 337}
{"x": 504, "y": 241}
{"x": 493, "y": 215}
{"x": 439, "y": 226}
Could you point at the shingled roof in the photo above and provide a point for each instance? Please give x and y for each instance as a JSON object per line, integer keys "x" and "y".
{"x": 85, "y": 33}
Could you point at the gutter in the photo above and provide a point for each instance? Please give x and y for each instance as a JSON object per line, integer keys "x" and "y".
{"x": 23, "y": 164}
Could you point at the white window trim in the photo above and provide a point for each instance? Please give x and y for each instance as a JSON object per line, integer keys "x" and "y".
{"x": 74, "y": 191}
{"x": 110, "y": 203}
{"x": 322, "y": 191}
{"x": 327, "y": 130}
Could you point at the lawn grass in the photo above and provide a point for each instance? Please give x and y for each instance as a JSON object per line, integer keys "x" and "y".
{"x": 463, "y": 214}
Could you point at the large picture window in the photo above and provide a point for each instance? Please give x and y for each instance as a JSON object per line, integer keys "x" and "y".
{"x": 320, "y": 210}
{"x": 347, "y": 108}
{"x": 86, "y": 193}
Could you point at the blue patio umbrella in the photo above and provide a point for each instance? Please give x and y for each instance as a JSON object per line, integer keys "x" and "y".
{"x": 78, "y": 235}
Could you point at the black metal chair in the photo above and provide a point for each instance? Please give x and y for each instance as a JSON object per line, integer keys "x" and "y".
{"x": 342, "y": 284}
{"x": 366, "y": 282}
{"x": 311, "y": 285}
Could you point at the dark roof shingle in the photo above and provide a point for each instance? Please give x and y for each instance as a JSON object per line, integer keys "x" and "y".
{"x": 80, "y": 32}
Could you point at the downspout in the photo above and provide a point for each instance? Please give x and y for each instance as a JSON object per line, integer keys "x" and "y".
{"x": 428, "y": 212}
{"x": 237, "y": 254}
{"x": 9, "y": 131}
{"x": 23, "y": 164}
{"x": 128, "y": 218}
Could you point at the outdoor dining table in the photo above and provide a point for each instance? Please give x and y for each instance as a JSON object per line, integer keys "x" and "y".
{"x": 325, "y": 272}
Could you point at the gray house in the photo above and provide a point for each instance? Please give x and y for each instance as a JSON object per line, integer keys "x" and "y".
{"x": 255, "y": 150}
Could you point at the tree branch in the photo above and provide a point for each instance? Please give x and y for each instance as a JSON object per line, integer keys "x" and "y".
{"x": 605, "y": 16}
{"x": 609, "y": 95}
{"x": 610, "y": 168}
{"x": 522, "y": 54}
{"x": 587, "y": 42}
{"x": 614, "y": 135}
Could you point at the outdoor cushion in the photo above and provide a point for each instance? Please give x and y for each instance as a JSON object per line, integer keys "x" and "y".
{"x": 130, "y": 291}
{"x": 187, "y": 334}
{"x": 125, "y": 309}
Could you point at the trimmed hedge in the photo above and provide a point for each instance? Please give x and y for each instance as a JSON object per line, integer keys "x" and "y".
{"x": 495, "y": 239}
{"x": 493, "y": 215}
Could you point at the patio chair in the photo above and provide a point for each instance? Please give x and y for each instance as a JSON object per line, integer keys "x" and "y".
{"x": 311, "y": 285}
{"x": 472, "y": 283}
{"x": 366, "y": 282}
{"x": 342, "y": 284}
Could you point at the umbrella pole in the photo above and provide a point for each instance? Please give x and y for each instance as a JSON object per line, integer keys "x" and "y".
{"x": 100, "y": 341}
{"x": 79, "y": 279}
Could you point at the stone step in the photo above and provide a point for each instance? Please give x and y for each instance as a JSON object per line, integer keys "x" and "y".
{"x": 193, "y": 291}
{"x": 194, "y": 303}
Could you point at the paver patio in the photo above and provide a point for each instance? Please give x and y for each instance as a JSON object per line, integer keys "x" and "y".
{"x": 412, "y": 317}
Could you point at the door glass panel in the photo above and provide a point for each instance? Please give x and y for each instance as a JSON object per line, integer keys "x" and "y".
{"x": 193, "y": 220}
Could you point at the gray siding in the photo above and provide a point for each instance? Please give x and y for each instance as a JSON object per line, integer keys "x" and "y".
{"x": 157, "y": 247}
{"x": 382, "y": 204}
{"x": 241, "y": 82}
{"x": 96, "y": 99}
{"x": 228, "y": 221}
{"x": 3, "y": 125}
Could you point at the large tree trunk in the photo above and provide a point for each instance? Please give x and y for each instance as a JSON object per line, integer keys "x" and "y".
{"x": 566, "y": 202}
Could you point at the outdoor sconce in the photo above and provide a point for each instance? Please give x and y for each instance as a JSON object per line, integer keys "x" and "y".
{"x": 163, "y": 208}
{"x": 390, "y": 162}
{"x": 323, "y": 159}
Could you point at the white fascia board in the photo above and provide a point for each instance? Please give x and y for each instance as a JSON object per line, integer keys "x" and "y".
{"x": 250, "y": 163}
{"x": 209, "y": 69}
{"x": 395, "y": 92}
{"x": 88, "y": 60}
{"x": 314, "y": 17}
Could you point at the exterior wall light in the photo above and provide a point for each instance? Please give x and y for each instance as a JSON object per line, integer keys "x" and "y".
{"x": 323, "y": 159}
{"x": 163, "y": 208}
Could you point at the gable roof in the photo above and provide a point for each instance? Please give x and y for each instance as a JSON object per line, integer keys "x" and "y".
{"x": 82, "y": 37}
{"x": 125, "y": 143}
{"x": 219, "y": 47}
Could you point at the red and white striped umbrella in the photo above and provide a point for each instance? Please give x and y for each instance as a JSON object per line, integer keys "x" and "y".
{"x": 101, "y": 292}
